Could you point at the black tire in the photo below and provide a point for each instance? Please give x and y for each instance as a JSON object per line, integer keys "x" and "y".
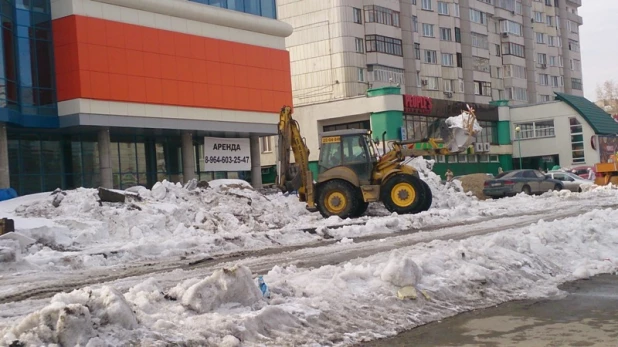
{"x": 338, "y": 198}
{"x": 526, "y": 189}
{"x": 579, "y": 190}
{"x": 428, "y": 197}
{"x": 362, "y": 208}
{"x": 557, "y": 187}
{"x": 398, "y": 185}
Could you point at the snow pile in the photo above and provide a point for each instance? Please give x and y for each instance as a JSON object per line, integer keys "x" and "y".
{"x": 336, "y": 304}
{"x": 448, "y": 195}
{"x": 76, "y": 318}
{"x": 224, "y": 287}
{"x": 401, "y": 271}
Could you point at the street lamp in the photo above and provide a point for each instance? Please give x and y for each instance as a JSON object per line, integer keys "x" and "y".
{"x": 517, "y": 136}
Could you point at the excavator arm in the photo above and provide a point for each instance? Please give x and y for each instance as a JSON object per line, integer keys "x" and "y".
{"x": 295, "y": 177}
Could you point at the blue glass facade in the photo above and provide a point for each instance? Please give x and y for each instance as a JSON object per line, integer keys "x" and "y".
{"x": 264, "y": 8}
{"x": 27, "y": 85}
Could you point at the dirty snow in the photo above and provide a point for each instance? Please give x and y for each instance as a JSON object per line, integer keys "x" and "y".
{"x": 331, "y": 305}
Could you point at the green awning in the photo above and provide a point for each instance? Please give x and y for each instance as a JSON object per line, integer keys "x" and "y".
{"x": 600, "y": 121}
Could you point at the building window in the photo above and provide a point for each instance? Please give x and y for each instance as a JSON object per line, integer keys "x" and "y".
{"x": 361, "y": 74}
{"x": 481, "y": 64}
{"x": 482, "y": 88}
{"x": 383, "y": 44}
{"x": 263, "y": 8}
{"x": 549, "y": 20}
{"x": 573, "y": 27}
{"x": 513, "y": 49}
{"x": 477, "y": 16}
{"x": 543, "y": 79}
{"x": 448, "y": 85}
{"x": 557, "y": 81}
{"x": 415, "y": 24}
{"x": 515, "y": 71}
{"x": 417, "y": 51}
{"x": 518, "y": 94}
{"x": 420, "y": 127}
{"x": 480, "y": 41}
{"x": 382, "y": 15}
{"x": 489, "y": 133}
{"x": 553, "y": 60}
{"x": 508, "y": 27}
{"x": 457, "y": 35}
{"x": 576, "y": 65}
{"x": 577, "y": 141}
{"x": 430, "y": 57}
{"x": 447, "y": 59}
{"x": 428, "y": 30}
{"x": 544, "y": 98}
{"x": 459, "y": 59}
{"x": 418, "y": 79}
{"x": 541, "y": 58}
{"x": 576, "y": 83}
{"x": 446, "y": 34}
{"x": 573, "y": 46}
{"x": 359, "y": 44}
{"x": 456, "y": 10}
{"x": 426, "y": 5}
{"x": 538, "y": 17}
{"x": 358, "y": 15}
{"x": 536, "y": 129}
{"x": 540, "y": 38}
{"x": 381, "y": 73}
{"x": 443, "y": 8}
{"x": 431, "y": 83}
{"x": 266, "y": 144}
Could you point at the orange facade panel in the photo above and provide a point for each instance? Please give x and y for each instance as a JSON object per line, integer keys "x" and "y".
{"x": 106, "y": 60}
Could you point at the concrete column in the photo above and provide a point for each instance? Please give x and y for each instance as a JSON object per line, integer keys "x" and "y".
{"x": 256, "y": 165}
{"x": 105, "y": 160}
{"x": 566, "y": 53}
{"x": 5, "y": 181}
{"x": 409, "y": 58}
{"x": 466, "y": 50}
{"x": 188, "y": 156}
{"x": 529, "y": 43}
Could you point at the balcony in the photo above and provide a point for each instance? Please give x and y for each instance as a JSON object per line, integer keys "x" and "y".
{"x": 578, "y": 3}
{"x": 575, "y": 18}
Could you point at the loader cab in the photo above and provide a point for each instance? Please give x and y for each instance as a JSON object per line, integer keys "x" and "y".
{"x": 350, "y": 148}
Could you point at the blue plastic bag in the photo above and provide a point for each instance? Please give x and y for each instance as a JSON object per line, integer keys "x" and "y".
{"x": 263, "y": 287}
{"x": 7, "y": 194}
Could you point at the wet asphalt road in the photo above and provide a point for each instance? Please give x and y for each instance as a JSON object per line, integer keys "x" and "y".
{"x": 588, "y": 316}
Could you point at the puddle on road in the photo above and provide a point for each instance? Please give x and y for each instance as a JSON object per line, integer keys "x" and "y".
{"x": 585, "y": 317}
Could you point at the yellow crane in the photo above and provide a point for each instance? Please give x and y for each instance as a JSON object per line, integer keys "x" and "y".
{"x": 352, "y": 173}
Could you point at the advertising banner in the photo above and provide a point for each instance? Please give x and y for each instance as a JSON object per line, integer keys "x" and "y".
{"x": 223, "y": 154}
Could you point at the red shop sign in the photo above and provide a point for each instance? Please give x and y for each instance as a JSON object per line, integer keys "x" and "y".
{"x": 417, "y": 104}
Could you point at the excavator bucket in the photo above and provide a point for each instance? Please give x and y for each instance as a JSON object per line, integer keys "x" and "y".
{"x": 459, "y": 132}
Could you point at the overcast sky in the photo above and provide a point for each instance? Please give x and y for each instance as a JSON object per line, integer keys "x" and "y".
{"x": 598, "y": 43}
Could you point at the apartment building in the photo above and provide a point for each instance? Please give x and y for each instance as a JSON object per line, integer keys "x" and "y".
{"x": 450, "y": 52}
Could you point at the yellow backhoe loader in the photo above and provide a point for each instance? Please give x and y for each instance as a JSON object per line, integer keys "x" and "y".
{"x": 352, "y": 173}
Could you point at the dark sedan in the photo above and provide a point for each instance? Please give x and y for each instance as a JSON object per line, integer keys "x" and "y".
{"x": 517, "y": 181}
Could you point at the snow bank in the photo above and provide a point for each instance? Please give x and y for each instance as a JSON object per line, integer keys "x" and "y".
{"x": 336, "y": 304}
{"x": 224, "y": 287}
{"x": 73, "y": 319}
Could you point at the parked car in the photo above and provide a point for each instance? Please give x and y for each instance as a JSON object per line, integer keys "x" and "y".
{"x": 570, "y": 181}
{"x": 582, "y": 171}
{"x": 517, "y": 181}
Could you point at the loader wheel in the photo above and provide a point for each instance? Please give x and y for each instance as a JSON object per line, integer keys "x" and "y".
{"x": 429, "y": 196}
{"x": 404, "y": 194}
{"x": 338, "y": 198}
{"x": 362, "y": 206}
